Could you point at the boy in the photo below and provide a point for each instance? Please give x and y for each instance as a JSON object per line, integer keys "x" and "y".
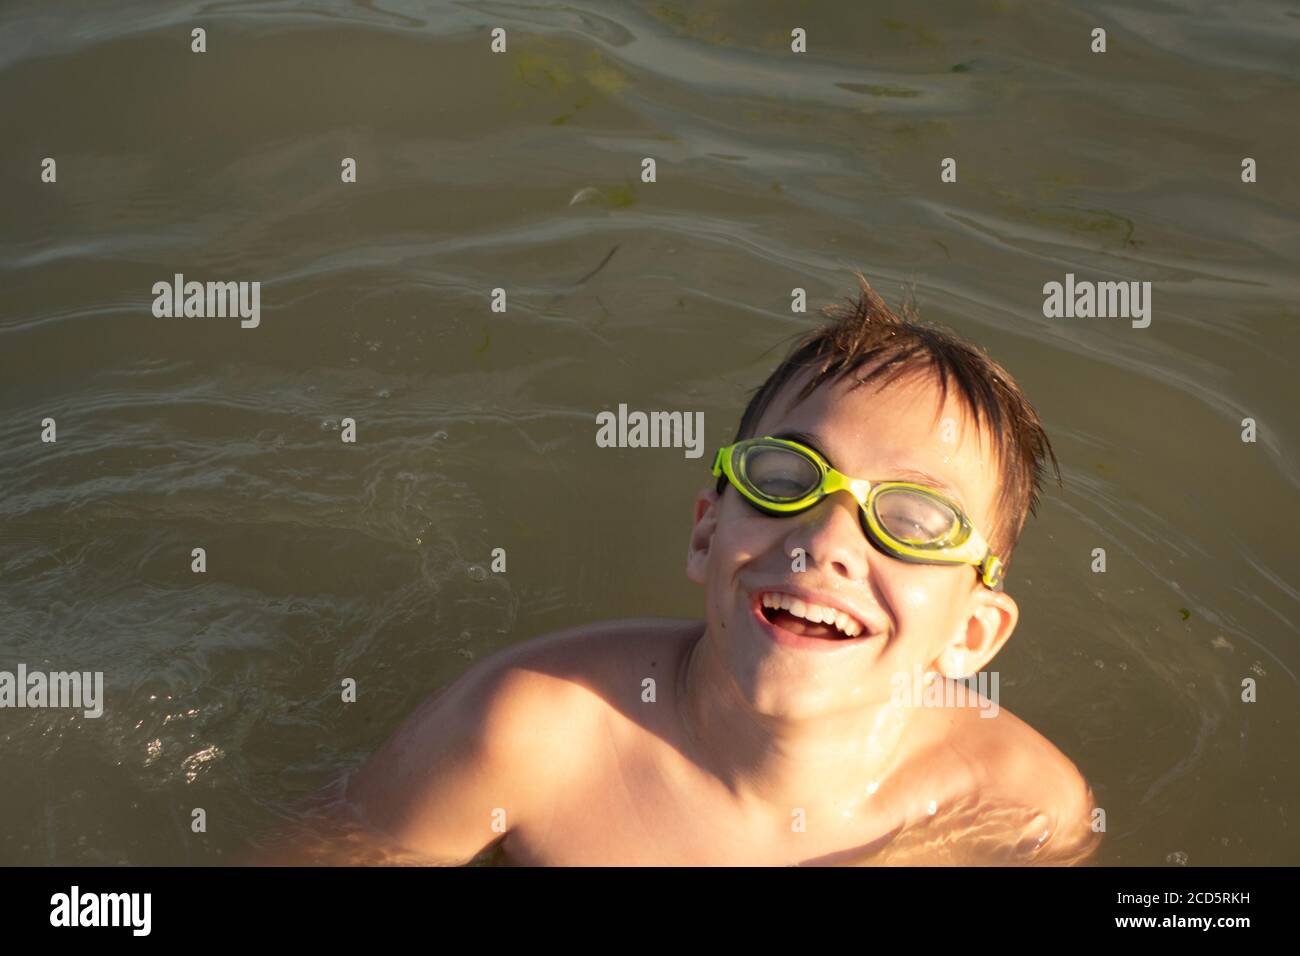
{"x": 857, "y": 535}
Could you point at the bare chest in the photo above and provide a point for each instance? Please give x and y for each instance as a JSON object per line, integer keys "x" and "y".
{"x": 649, "y": 810}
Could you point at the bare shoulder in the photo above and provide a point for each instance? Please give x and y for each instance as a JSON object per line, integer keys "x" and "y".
{"x": 552, "y": 691}
{"x": 488, "y": 753}
{"x": 594, "y": 648}
{"x": 1043, "y": 793}
{"x": 607, "y": 659}
{"x": 1012, "y": 795}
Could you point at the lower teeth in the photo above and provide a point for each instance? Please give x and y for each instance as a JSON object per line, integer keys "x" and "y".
{"x": 804, "y": 628}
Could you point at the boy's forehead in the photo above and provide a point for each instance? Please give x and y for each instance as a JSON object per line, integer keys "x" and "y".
{"x": 899, "y": 431}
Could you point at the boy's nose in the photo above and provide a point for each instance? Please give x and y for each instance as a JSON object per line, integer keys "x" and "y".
{"x": 831, "y": 534}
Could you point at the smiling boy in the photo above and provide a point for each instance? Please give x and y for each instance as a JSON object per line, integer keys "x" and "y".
{"x": 859, "y": 529}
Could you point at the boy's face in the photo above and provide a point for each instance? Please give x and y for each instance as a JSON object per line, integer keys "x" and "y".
{"x": 917, "y": 616}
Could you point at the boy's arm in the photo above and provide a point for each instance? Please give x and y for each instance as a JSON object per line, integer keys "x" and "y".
{"x": 1030, "y": 806}
{"x": 1072, "y": 839}
{"x": 1026, "y": 770}
{"x": 472, "y": 762}
{"x": 1041, "y": 811}
{"x": 993, "y": 830}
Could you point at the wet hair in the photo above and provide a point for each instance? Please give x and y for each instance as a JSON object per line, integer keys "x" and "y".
{"x": 867, "y": 337}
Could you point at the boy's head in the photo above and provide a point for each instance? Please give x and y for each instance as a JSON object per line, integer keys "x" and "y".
{"x": 872, "y": 392}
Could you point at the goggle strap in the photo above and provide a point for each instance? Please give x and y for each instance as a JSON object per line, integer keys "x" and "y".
{"x": 991, "y": 572}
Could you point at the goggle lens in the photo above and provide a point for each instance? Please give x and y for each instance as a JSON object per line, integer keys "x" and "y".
{"x": 916, "y": 518}
{"x": 779, "y": 474}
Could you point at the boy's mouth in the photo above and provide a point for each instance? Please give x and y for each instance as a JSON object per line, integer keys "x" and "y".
{"x": 807, "y": 618}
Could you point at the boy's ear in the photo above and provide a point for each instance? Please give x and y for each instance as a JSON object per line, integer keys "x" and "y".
{"x": 992, "y": 617}
{"x": 706, "y": 520}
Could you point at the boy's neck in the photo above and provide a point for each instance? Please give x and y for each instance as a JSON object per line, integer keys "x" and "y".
{"x": 836, "y": 762}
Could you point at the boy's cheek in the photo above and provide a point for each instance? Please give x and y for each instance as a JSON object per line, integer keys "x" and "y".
{"x": 921, "y": 591}
{"x": 913, "y": 599}
{"x": 736, "y": 542}
{"x": 916, "y": 607}
{"x": 927, "y": 615}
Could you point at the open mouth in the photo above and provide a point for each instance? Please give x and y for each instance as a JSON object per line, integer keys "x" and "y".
{"x": 807, "y": 619}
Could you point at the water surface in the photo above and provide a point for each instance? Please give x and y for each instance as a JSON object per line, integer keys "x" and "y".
{"x": 328, "y": 560}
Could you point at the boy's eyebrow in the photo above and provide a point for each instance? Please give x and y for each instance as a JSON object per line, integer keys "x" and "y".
{"x": 925, "y": 478}
{"x": 897, "y": 474}
{"x": 804, "y": 438}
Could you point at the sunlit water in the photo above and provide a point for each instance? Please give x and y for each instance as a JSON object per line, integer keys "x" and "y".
{"x": 329, "y": 561}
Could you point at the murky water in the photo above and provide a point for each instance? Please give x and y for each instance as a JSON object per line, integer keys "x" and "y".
{"x": 328, "y": 561}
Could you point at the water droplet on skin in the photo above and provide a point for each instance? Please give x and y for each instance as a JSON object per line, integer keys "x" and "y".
{"x": 1039, "y": 830}
{"x": 872, "y": 787}
{"x": 932, "y": 808}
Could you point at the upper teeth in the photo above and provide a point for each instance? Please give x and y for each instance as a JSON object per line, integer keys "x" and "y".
{"x": 817, "y": 613}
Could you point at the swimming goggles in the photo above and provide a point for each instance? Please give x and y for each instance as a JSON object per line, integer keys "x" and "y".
{"x": 908, "y": 521}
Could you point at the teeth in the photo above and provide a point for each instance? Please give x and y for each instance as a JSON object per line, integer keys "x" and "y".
{"x": 816, "y": 613}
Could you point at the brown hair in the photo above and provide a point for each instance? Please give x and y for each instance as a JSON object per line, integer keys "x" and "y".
{"x": 868, "y": 332}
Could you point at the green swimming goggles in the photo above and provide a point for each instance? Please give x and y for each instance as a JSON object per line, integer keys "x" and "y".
{"x": 908, "y": 521}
